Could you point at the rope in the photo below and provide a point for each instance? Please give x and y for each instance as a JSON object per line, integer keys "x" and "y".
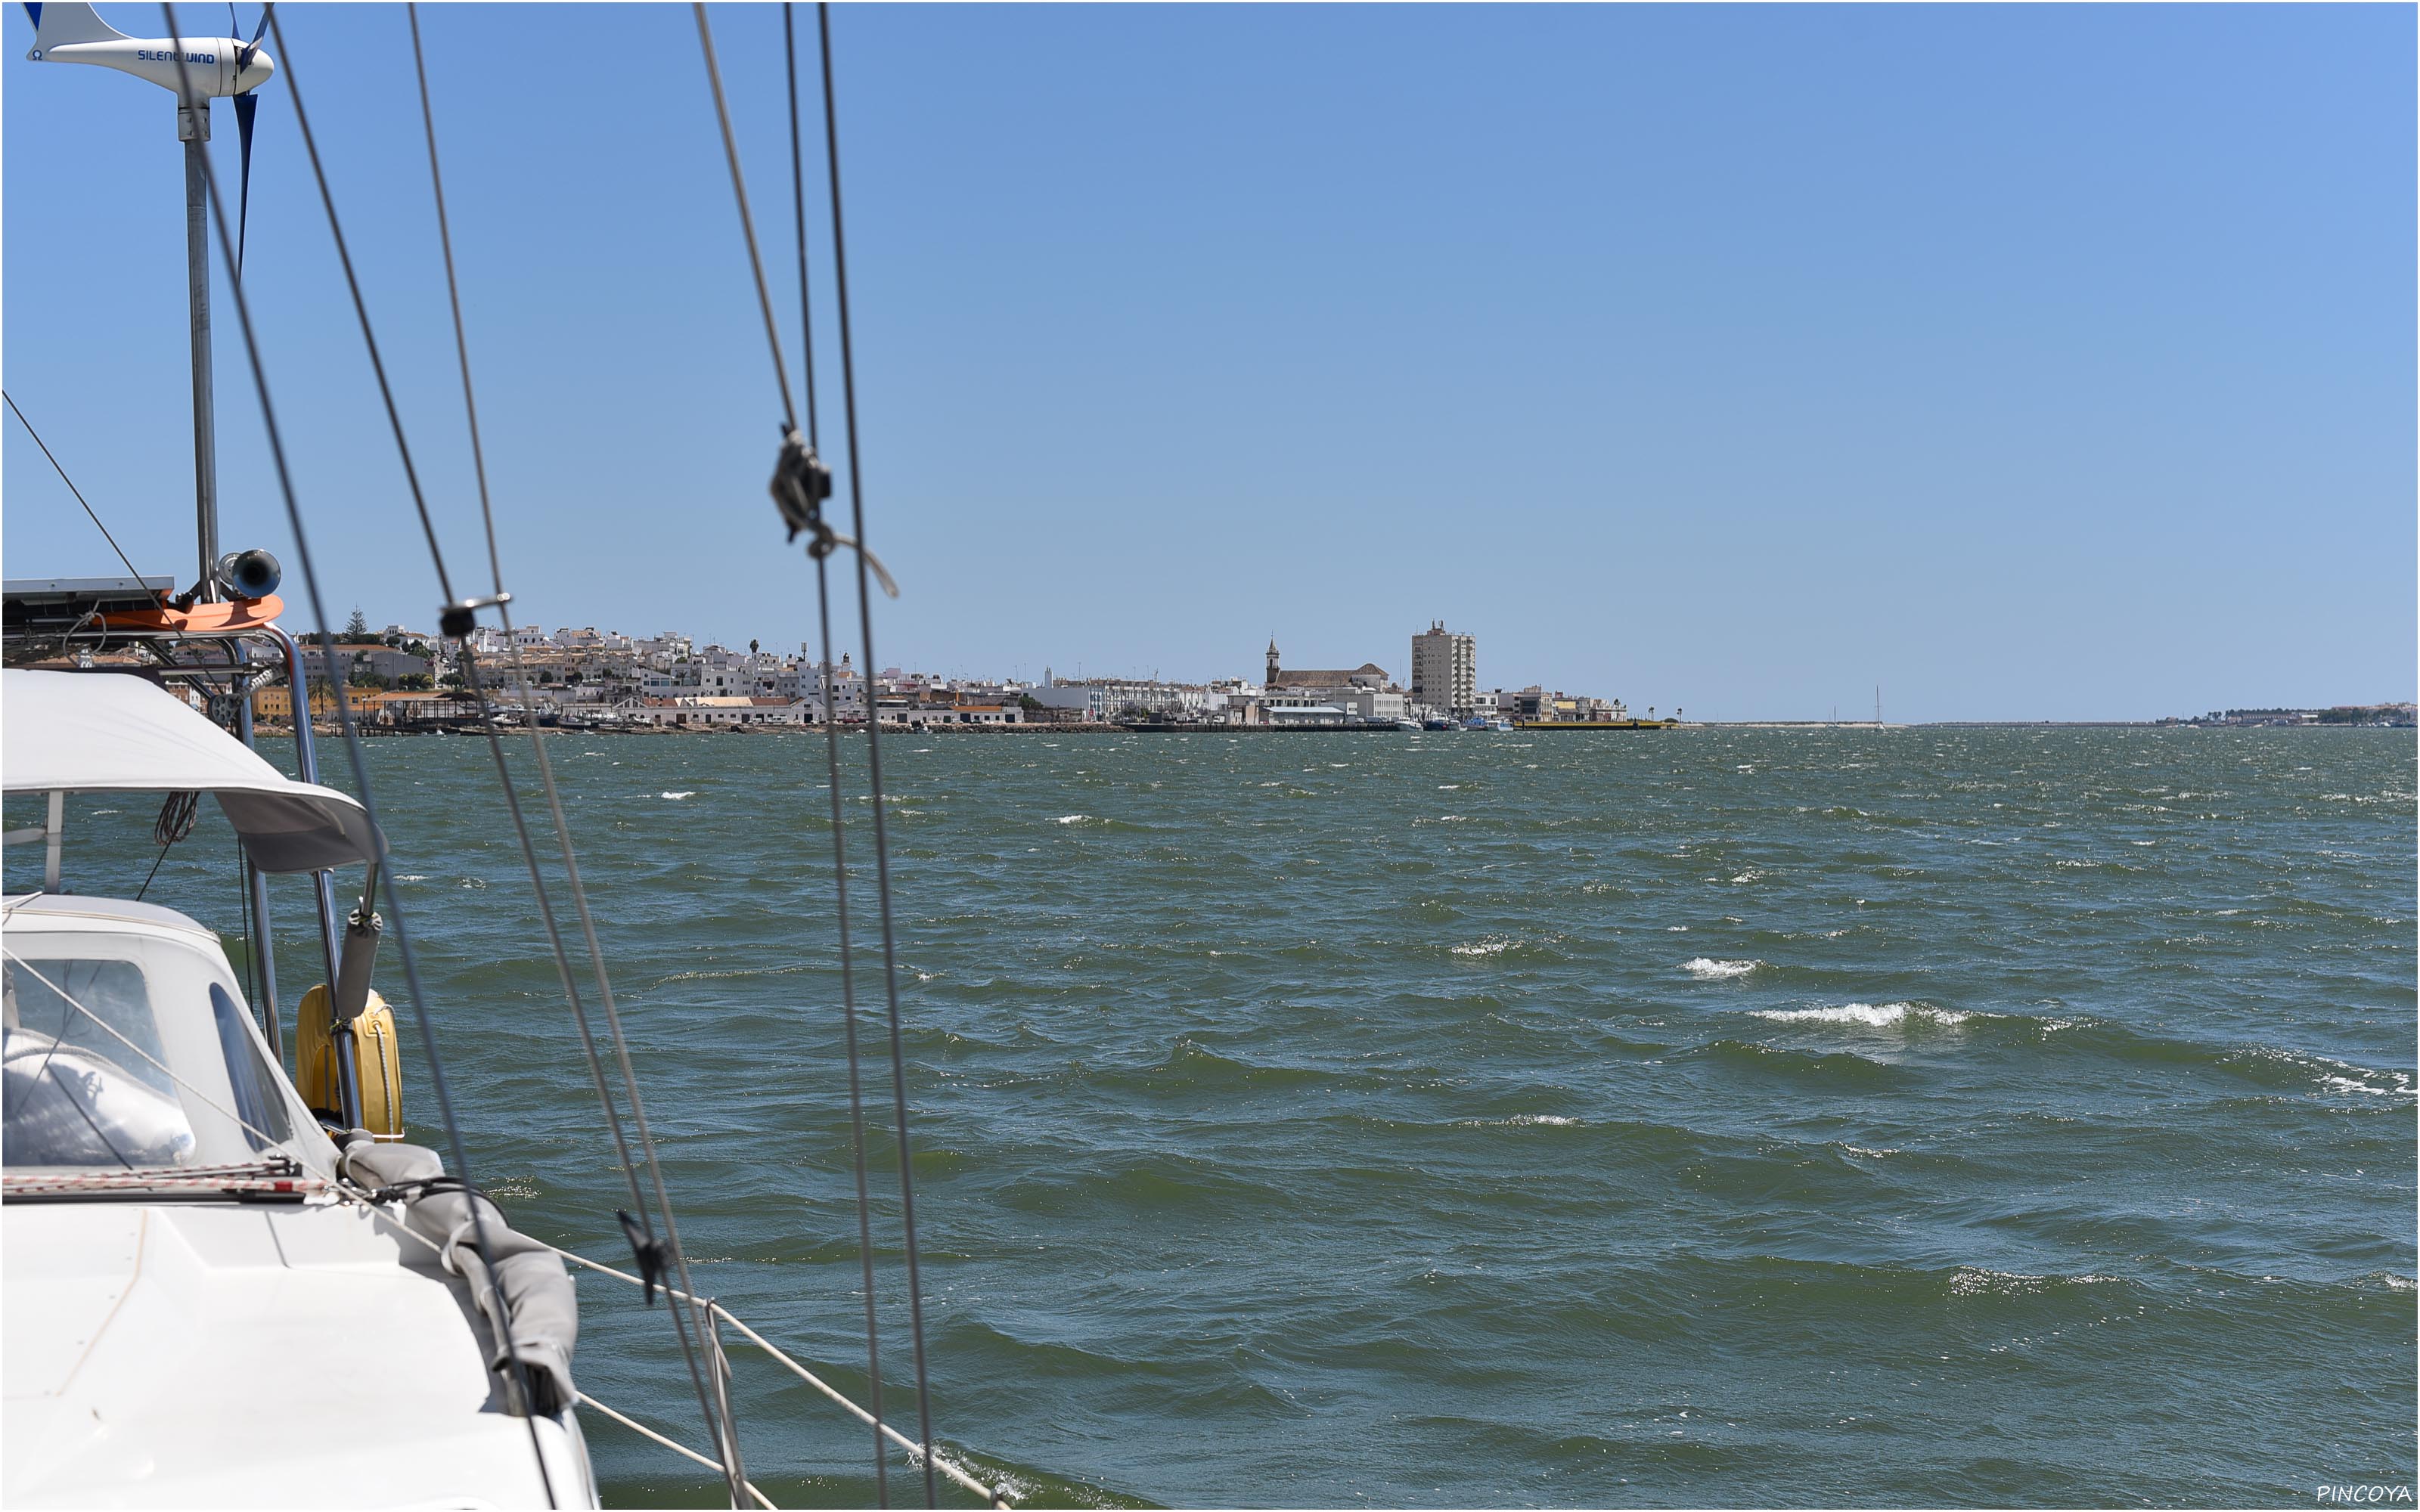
{"x": 675, "y": 1446}
{"x": 874, "y": 754}
{"x": 517, "y": 1376}
{"x": 175, "y": 822}
{"x": 839, "y": 823}
{"x": 177, "y": 814}
{"x": 70, "y": 483}
{"x": 153, "y": 872}
{"x": 554, "y": 806}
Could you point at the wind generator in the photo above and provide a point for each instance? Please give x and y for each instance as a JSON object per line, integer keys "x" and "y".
{"x": 196, "y": 70}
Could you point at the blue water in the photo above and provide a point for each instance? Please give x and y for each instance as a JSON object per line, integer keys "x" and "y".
{"x": 1753, "y": 1117}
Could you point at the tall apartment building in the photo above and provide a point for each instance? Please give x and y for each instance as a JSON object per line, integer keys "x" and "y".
{"x": 1445, "y": 670}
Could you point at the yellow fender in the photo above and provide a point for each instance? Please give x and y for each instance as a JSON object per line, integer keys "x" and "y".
{"x": 378, "y": 1063}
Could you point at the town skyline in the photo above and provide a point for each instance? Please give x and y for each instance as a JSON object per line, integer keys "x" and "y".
{"x": 1812, "y": 354}
{"x": 769, "y": 669}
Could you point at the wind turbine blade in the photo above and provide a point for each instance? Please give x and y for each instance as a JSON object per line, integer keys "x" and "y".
{"x": 246, "y": 104}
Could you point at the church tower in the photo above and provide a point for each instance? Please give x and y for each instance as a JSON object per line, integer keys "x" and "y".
{"x": 1272, "y": 680}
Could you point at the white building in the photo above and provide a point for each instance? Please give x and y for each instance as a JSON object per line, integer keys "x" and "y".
{"x": 1304, "y": 709}
{"x": 975, "y": 713}
{"x": 1445, "y": 671}
{"x": 707, "y": 713}
{"x": 1090, "y": 696}
{"x": 662, "y": 650}
{"x": 1366, "y": 703}
{"x": 849, "y": 689}
{"x": 1110, "y": 696}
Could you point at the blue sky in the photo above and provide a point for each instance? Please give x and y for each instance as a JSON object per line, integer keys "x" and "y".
{"x": 2044, "y": 362}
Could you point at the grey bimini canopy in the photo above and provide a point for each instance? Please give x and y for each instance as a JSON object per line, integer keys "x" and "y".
{"x": 112, "y": 733}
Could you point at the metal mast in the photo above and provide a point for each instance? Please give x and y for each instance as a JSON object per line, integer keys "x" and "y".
{"x": 193, "y": 129}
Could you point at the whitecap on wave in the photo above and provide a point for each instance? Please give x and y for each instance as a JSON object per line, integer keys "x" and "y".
{"x": 1869, "y": 1015}
{"x": 1982, "y": 1281}
{"x": 2370, "y": 1081}
{"x": 1706, "y": 969}
{"x": 1520, "y": 1121}
{"x": 677, "y": 796}
{"x": 1977, "y": 1281}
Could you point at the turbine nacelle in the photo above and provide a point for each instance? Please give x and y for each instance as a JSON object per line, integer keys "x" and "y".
{"x": 191, "y": 67}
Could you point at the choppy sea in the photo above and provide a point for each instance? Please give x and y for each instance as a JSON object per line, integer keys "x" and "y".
{"x": 1722, "y": 1116}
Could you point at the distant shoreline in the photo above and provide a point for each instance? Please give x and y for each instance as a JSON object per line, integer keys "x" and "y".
{"x": 514, "y": 727}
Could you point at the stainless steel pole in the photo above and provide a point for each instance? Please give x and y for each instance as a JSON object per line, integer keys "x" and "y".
{"x": 193, "y": 129}
{"x": 306, "y": 768}
{"x": 263, "y": 948}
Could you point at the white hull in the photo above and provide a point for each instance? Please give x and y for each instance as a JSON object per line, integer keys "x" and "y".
{"x": 217, "y": 1354}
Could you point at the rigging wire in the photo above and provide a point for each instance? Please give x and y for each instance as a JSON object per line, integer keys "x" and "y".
{"x": 69, "y": 482}
{"x": 362, "y": 313}
{"x": 747, "y": 224}
{"x": 673, "y": 1445}
{"x": 832, "y": 762}
{"x": 873, "y": 749}
{"x": 994, "y": 1496}
{"x": 555, "y": 805}
{"x": 453, "y": 293}
{"x": 798, "y": 213}
{"x": 866, "y": 569}
{"x": 517, "y": 1377}
{"x": 998, "y": 1498}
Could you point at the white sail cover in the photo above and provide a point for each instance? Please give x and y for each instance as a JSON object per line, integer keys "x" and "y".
{"x": 111, "y": 733}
